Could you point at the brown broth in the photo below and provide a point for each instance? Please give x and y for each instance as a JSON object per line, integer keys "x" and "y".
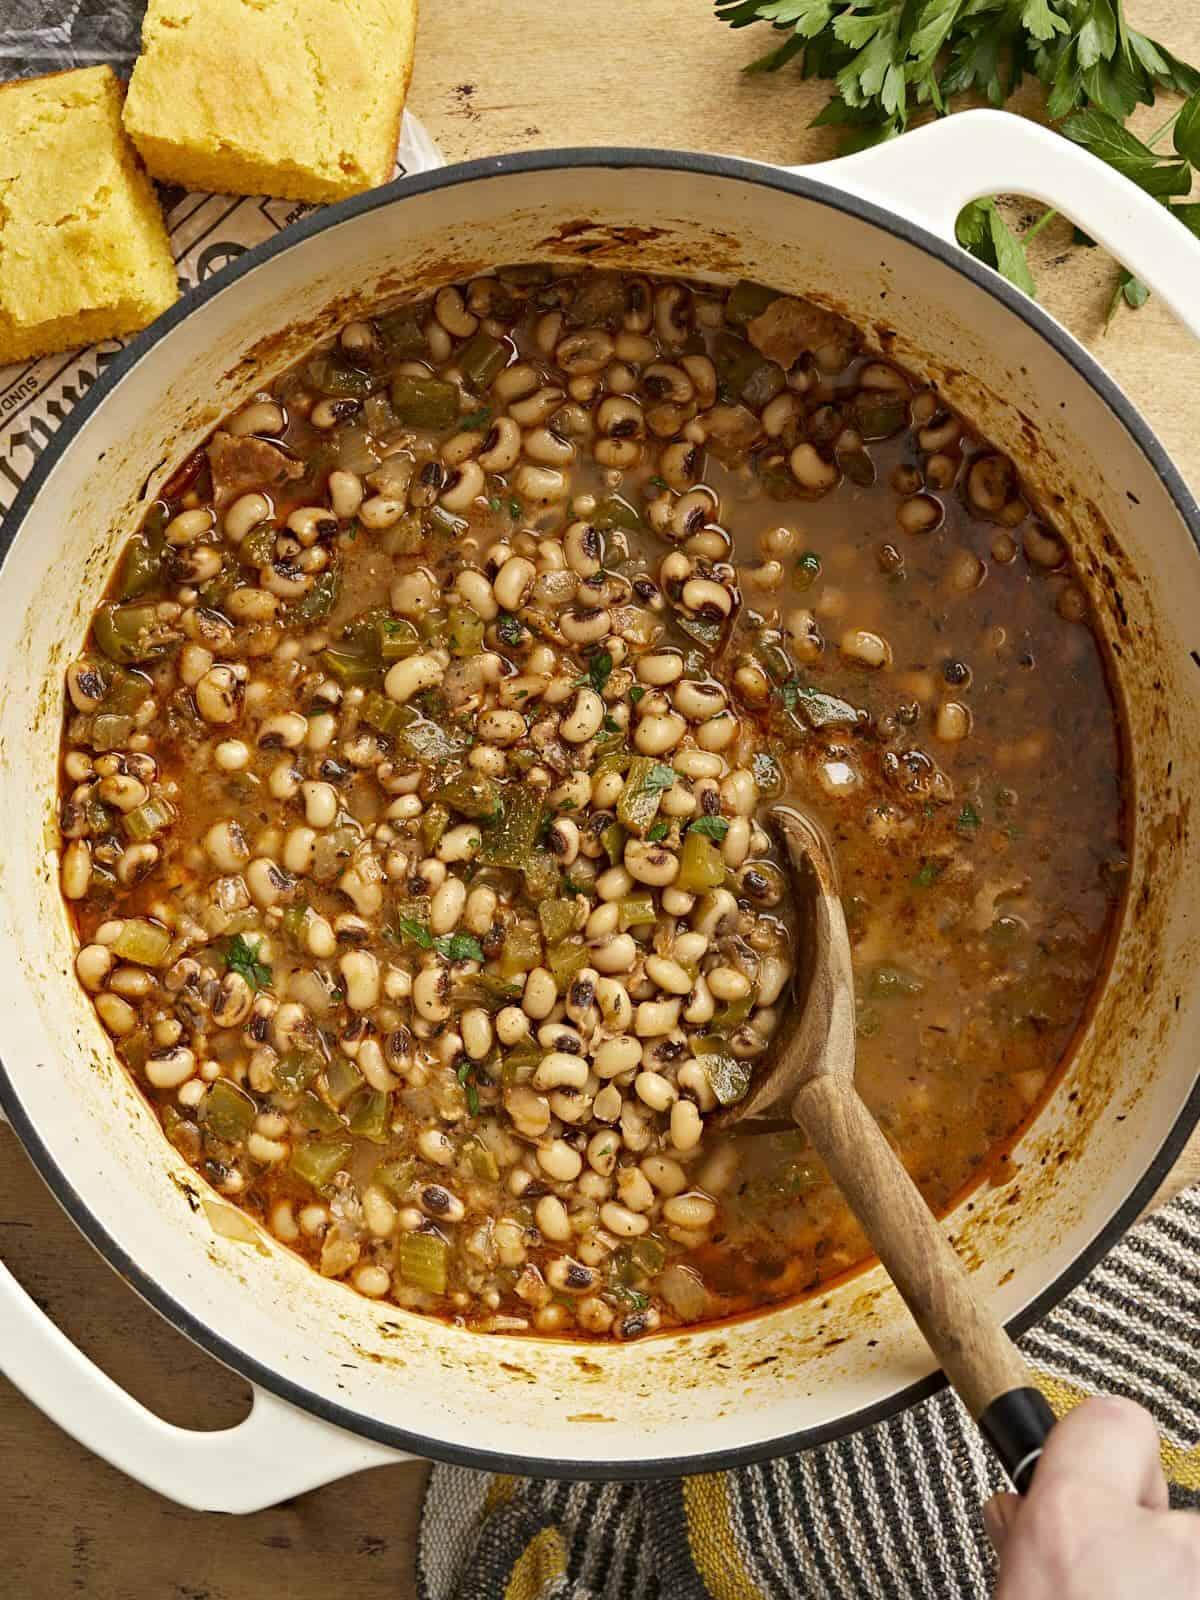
{"x": 980, "y": 873}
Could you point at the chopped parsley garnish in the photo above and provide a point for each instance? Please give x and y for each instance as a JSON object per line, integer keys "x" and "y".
{"x": 463, "y": 1074}
{"x": 968, "y": 819}
{"x": 789, "y": 693}
{"x": 495, "y": 503}
{"x": 610, "y": 725}
{"x": 599, "y": 670}
{"x": 658, "y": 831}
{"x": 633, "y": 1297}
{"x": 412, "y": 929}
{"x": 352, "y": 529}
{"x": 242, "y": 957}
{"x": 711, "y": 827}
{"x": 509, "y": 629}
{"x": 659, "y": 777}
{"x": 928, "y": 875}
{"x": 390, "y": 625}
{"x": 637, "y": 693}
{"x": 658, "y": 483}
{"x": 459, "y": 947}
{"x": 477, "y": 419}
{"x": 570, "y": 887}
{"x": 514, "y": 510}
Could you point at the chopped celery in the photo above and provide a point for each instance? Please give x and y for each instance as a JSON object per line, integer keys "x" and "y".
{"x": 424, "y": 402}
{"x": 400, "y": 333}
{"x": 421, "y": 1258}
{"x": 320, "y": 599}
{"x": 151, "y": 817}
{"x": 397, "y": 638}
{"x": 748, "y": 300}
{"x": 740, "y": 368}
{"x": 613, "y": 840}
{"x": 557, "y": 918}
{"x": 109, "y": 732}
{"x": 332, "y": 375}
{"x": 486, "y": 990}
{"x": 648, "y": 1254}
{"x": 314, "y": 1116}
{"x": 295, "y": 921}
{"x": 542, "y": 876}
{"x": 482, "y": 1162}
{"x": 406, "y": 537}
{"x": 565, "y": 960}
{"x": 464, "y": 632}
{"x": 615, "y": 757}
{"x": 434, "y": 823}
{"x": 510, "y": 841}
{"x": 257, "y": 549}
{"x": 521, "y": 951}
{"x": 145, "y": 943}
{"x": 705, "y": 633}
{"x": 141, "y": 566}
{"x": 520, "y": 1063}
{"x": 129, "y": 633}
{"x": 613, "y": 512}
{"x": 444, "y": 524}
{"x": 635, "y": 910}
{"x": 482, "y": 359}
{"x": 878, "y": 415}
{"x": 296, "y": 1070}
{"x": 728, "y": 1078}
{"x": 470, "y": 793}
{"x": 733, "y": 1013}
{"x": 395, "y": 1176}
{"x": 426, "y": 741}
{"x": 701, "y": 865}
{"x": 351, "y": 666}
{"x": 318, "y": 1160}
{"x": 637, "y": 806}
{"x": 227, "y": 1111}
{"x": 127, "y": 690}
{"x": 342, "y": 1079}
{"x": 370, "y": 1115}
{"x": 386, "y": 715}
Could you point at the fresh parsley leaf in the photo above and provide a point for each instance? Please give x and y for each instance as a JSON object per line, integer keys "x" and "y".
{"x": 509, "y": 629}
{"x": 457, "y": 947}
{"x": 463, "y": 1074}
{"x": 633, "y": 1297}
{"x": 514, "y": 510}
{"x": 570, "y": 887}
{"x": 928, "y": 875}
{"x": 1128, "y": 290}
{"x": 638, "y": 691}
{"x": 658, "y": 483}
{"x": 789, "y": 693}
{"x": 352, "y": 528}
{"x": 477, "y": 419}
{"x": 610, "y": 725}
{"x": 659, "y": 777}
{"x": 1187, "y": 131}
{"x": 599, "y": 670}
{"x": 1104, "y": 136}
{"x": 412, "y": 929}
{"x": 495, "y": 503}
{"x": 968, "y": 819}
{"x": 242, "y": 957}
{"x": 711, "y": 827}
{"x": 659, "y": 831}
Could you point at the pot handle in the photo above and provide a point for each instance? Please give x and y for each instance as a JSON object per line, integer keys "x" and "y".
{"x": 278, "y": 1451}
{"x": 928, "y": 175}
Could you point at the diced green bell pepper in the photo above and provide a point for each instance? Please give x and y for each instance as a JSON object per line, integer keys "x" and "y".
{"x": 520, "y": 952}
{"x": 144, "y": 943}
{"x": 424, "y": 402}
{"x": 634, "y": 911}
{"x": 151, "y": 817}
{"x": 422, "y": 1259}
{"x": 464, "y": 632}
{"x": 317, "y": 1161}
{"x": 748, "y": 300}
{"x": 482, "y": 359}
{"x": 397, "y": 638}
{"x": 701, "y": 865}
{"x": 314, "y": 1116}
{"x": 434, "y": 822}
{"x": 728, "y": 1078}
{"x": 557, "y": 918}
{"x": 127, "y": 633}
{"x": 388, "y": 716}
{"x": 370, "y": 1115}
{"x": 320, "y": 599}
{"x": 342, "y": 1079}
{"x": 565, "y": 960}
{"x": 296, "y": 1070}
{"x": 510, "y": 841}
{"x": 334, "y": 376}
{"x": 351, "y": 666}
{"x": 227, "y": 1111}
{"x": 470, "y": 793}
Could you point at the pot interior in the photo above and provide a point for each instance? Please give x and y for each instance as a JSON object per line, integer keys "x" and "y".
{"x": 798, "y": 1373}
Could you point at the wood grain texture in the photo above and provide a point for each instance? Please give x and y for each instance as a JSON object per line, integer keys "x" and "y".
{"x": 630, "y": 72}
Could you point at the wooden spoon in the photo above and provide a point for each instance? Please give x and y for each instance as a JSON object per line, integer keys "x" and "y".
{"x": 810, "y": 1077}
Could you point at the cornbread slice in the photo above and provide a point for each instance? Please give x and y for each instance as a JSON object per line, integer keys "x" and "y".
{"x": 83, "y": 249}
{"x": 299, "y": 98}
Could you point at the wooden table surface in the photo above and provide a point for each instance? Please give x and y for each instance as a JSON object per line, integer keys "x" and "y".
{"x": 651, "y": 72}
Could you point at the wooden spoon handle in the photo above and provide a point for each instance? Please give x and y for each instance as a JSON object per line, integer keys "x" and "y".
{"x": 976, "y": 1354}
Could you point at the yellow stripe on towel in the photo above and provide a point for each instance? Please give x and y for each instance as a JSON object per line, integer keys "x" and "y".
{"x": 543, "y": 1559}
{"x": 710, "y": 1535}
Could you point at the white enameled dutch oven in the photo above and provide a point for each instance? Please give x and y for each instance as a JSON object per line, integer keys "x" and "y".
{"x": 342, "y": 1382}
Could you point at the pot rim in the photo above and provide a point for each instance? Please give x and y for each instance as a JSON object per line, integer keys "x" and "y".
{"x": 225, "y": 1349}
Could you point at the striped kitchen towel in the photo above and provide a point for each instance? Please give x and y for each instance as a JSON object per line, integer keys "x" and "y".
{"x": 892, "y": 1513}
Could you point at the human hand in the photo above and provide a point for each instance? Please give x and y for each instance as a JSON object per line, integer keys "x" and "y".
{"x": 1095, "y": 1523}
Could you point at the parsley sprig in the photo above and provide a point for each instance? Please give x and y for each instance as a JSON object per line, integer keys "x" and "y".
{"x": 453, "y": 946}
{"x": 242, "y": 957}
{"x": 893, "y": 59}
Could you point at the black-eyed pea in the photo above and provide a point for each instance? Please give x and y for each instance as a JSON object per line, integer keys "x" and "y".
{"x": 812, "y": 472}
{"x": 655, "y": 1091}
{"x": 692, "y": 1079}
{"x": 559, "y": 1161}
{"x": 251, "y": 606}
{"x": 267, "y": 882}
{"x": 617, "y": 1056}
{"x": 282, "y": 1221}
{"x": 692, "y": 1210}
{"x": 93, "y": 964}
{"x": 434, "y": 1146}
{"x": 501, "y": 725}
{"x": 735, "y": 846}
{"x": 431, "y": 987}
{"x": 606, "y": 1107}
{"x": 169, "y": 1066}
{"x": 920, "y": 513}
{"x": 540, "y": 486}
{"x": 953, "y": 722}
{"x": 615, "y": 883}
{"x": 616, "y": 1008}
{"x": 559, "y": 1070}
{"x": 651, "y": 863}
{"x": 299, "y": 848}
{"x": 686, "y": 1128}
{"x": 552, "y": 1221}
{"x": 697, "y": 700}
{"x": 464, "y": 485}
{"x": 634, "y": 1190}
{"x": 668, "y": 974}
{"x": 773, "y": 974}
{"x": 219, "y": 695}
{"x": 654, "y": 1017}
{"x": 728, "y": 984}
{"x": 477, "y": 1032}
{"x": 615, "y": 952}
{"x": 446, "y": 906}
{"x": 581, "y": 717}
{"x": 246, "y": 512}
{"x": 412, "y": 676}
{"x": 187, "y": 526}
{"x": 440, "y": 1204}
{"x": 540, "y": 993}
{"x": 619, "y": 1219}
{"x": 76, "y": 869}
{"x": 460, "y": 843}
{"x": 476, "y": 591}
{"x": 667, "y": 1176}
{"x": 594, "y": 1315}
{"x": 606, "y": 790}
{"x": 479, "y": 911}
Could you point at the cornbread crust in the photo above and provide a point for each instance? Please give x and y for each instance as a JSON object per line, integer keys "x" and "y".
{"x": 298, "y": 98}
{"x": 83, "y": 248}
